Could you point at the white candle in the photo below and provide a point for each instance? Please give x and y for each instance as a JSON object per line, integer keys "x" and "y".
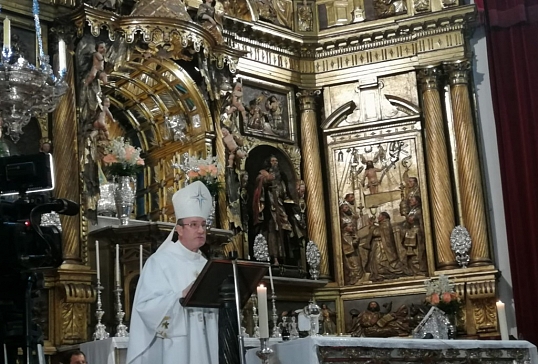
{"x": 503, "y": 325}
{"x": 262, "y": 311}
{"x": 7, "y": 33}
{"x": 117, "y": 265}
{"x": 271, "y": 280}
{"x": 141, "y": 258}
{"x": 61, "y": 54}
{"x": 97, "y": 260}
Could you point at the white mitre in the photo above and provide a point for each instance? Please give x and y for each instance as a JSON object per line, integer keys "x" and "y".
{"x": 192, "y": 201}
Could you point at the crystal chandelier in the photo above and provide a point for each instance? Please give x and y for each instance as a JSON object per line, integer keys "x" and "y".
{"x": 27, "y": 90}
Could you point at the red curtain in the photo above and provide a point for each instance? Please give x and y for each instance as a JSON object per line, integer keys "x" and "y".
{"x": 512, "y": 36}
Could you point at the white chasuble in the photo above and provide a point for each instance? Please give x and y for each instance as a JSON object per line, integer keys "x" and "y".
{"x": 163, "y": 331}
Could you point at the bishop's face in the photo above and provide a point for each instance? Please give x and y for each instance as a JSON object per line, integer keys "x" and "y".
{"x": 192, "y": 233}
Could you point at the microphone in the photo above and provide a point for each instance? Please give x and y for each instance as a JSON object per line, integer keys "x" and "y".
{"x": 61, "y": 206}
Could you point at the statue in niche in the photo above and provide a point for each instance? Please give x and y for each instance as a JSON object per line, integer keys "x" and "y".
{"x": 211, "y": 18}
{"x": 275, "y": 214}
{"x": 387, "y": 8}
{"x": 374, "y": 323}
{"x": 305, "y": 17}
{"x": 328, "y": 327}
{"x": 279, "y": 12}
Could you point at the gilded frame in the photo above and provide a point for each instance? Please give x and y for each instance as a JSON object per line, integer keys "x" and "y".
{"x": 266, "y": 100}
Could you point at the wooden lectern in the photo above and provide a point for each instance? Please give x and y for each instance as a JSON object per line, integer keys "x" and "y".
{"x": 227, "y": 285}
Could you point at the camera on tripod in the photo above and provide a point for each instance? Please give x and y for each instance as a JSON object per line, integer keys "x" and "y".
{"x": 27, "y": 249}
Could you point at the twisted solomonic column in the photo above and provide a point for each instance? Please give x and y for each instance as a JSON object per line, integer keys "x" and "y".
{"x": 438, "y": 167}
{"x": 315, "y": 210}
{"x": 66, "y": 161}
{"x": 467, "y": 163}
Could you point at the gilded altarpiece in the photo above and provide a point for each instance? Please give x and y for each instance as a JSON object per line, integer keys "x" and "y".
{"x": 376, "y": 163}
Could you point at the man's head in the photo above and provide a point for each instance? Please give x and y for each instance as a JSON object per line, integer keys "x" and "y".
{"x": 225, "y": 131}
{"x": 46, "y": 147}
{"x": 374, "y": 306}
{"x": 414, "y": 201}
{"x": 76, "y": 357}
{"x": 192, "y": 205}
{"x": 383, "y": 216}
{"x": 350, "y": 198}
{"x": 273, "y": 161}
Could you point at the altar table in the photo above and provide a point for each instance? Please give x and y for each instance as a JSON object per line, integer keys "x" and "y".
{"x": 325, "y": 349}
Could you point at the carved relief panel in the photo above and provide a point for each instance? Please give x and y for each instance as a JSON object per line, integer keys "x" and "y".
{"x": 378, "y": 188}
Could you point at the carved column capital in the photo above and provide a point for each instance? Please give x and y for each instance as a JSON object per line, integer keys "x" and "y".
{"x": 429, "y": 77}
{"x": 458, "y": 71}
{"x": 307, "y": 99}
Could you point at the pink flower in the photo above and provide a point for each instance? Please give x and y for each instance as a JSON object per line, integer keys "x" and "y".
{"x": 109, "y": 158}
{"x": 434, "y": 299}
{"x": 192, "y": 174}
{"x": 129, "y": 151}
{"x": 212, "y": 169}
{"x": 140, "y": 162}
{"x": 446, "y": 297}
{"x": 203, "y": 170}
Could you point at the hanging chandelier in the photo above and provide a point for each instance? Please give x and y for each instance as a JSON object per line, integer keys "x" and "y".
{"x": 28, "y": 90}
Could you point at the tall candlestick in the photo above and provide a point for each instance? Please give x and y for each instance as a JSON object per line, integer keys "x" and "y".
{"x": 7, "y": 33}
{"x": 61, "y": 55}
{"x": 263, "y": 314}
{"x": 503, "y": 325}
{"x": 271, "y": 280}
{"x": 97, "y": 260}
{"x": 117, "y": 265}
{"x": 141, "y": 258}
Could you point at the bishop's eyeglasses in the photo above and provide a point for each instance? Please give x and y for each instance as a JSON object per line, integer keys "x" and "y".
{"x": 195, "y": 225}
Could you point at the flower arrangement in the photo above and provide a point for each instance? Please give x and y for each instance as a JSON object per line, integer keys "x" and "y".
{"x": 204, "y": 170}
{"x": 121, "y": 158}
{"x": 440, "y": 293}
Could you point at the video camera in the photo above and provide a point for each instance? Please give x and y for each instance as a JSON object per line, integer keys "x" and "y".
{"x": 27, "y": 249}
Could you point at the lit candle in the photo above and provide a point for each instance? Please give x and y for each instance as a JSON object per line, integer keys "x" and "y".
{"x": 503, "y": 325}
{"x": 141, "y": 258}
{"x": 262, "y": 311}
{"x": 97, "y": 260}
{"x": 271, "y": 280}
{"x": 61, "y": 54}
{"x": 7, "y": 33}
{"x": 117, "y": 265}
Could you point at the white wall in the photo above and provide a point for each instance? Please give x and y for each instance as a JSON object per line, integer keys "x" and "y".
{"x": 487, "y": 137}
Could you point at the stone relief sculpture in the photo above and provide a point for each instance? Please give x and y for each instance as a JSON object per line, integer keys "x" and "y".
{"x": 279, "y": 12}
{"x": 305, "y": 17}
{"x": 386, "y": 8}
{"x": 372, "y": 322}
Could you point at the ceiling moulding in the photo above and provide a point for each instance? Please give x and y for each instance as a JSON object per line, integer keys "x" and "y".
{"x": 160, "y": 31}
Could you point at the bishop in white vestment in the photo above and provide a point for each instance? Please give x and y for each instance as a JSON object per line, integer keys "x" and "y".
{"x": 163, "y": 331}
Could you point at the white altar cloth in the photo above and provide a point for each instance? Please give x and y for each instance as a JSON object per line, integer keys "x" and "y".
{"x": 305, "y": 351}
{"x": 108, "y": 351}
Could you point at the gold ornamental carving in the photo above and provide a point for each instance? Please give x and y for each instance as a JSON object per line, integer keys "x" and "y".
{"x": 438, "y": 167}
{"x": 72, "y": 308}
{"x": 468, "y": 164}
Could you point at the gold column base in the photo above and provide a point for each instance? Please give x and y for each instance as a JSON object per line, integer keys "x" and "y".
{"x": 70, "y": 298}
